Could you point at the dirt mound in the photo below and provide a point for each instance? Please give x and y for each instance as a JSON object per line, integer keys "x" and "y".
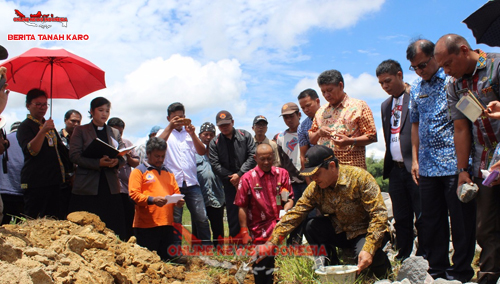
{"x": 82, "y": 250}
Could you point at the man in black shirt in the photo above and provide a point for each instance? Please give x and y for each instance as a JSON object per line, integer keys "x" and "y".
{"x": 231, "y": 155}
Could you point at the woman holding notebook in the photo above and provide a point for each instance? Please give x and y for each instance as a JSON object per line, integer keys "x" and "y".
{"x": 96, "y": 188}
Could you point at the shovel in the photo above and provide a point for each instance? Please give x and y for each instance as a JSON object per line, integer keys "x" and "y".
{"x": 243, "y": 270}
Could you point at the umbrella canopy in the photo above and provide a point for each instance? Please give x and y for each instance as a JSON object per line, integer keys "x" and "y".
{"x": 485, "y": 23}
{"x": 62, "y": 74}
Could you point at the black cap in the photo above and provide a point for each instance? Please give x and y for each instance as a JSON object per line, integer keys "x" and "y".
{"x": 315, "y": 157}
{"x": 223, "y": 117}
{"x": 3, "y": 53}
{"x": 207, "y": 126}
{"x": 260, "y": 118}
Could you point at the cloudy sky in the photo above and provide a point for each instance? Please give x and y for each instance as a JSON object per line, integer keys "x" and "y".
{"x": 248, "y": 57}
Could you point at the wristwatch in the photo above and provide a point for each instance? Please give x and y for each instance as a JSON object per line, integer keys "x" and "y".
{"x": 461, "y": 170}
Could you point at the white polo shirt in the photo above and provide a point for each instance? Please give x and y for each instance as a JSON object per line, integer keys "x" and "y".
{"x": 181, "y": 159}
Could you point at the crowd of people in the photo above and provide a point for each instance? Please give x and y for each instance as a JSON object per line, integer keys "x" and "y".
{"x": 309, "y": 181}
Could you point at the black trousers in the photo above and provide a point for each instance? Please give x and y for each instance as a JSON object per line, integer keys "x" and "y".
{"x": 12, "y": 205}
{"x": 439, "y": 199}
{"x": 488, "y": 232}
{"x": 158, "y": 239}
{"x": 129, "y": 210}
{"x": 263, "y": 271}
{"x": 216, "y": 218}
{"x": 232, "y": 210}
{"x": 406, "y": 207}
{"x": 320, "y": 231}
{"x": 43, "y": 201}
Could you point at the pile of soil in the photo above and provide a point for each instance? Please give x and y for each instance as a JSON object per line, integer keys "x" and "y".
{"x": 82, "y": 250}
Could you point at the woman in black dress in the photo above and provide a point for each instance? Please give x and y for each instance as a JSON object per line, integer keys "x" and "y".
{"x": 96, "y": 188}
{"x": 45, "y": 158}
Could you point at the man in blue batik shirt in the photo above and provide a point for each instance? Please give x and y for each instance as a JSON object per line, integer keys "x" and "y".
{"x": 434, "y": 169}
{"x": 309, "y": 103}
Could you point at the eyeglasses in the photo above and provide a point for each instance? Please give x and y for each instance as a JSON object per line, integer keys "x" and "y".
{"x": 421, "y": 65}
{"x": 39, "y": 105}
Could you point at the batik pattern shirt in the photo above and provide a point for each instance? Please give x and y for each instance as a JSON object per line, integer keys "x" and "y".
{"x": 484, "y": 85}
{"x": 429, "y": 108}
{"x": 354, "y": 205}
{"x": 257, "y": 192}
{"x": 353, "y": 118}
{"x": 303, "y": 132}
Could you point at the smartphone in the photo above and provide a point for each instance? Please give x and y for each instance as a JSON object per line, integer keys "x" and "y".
{"x": 491, "y": 178}
{"x": 2, "y": 82}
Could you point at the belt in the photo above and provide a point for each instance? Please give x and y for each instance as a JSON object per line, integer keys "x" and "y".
{"x": 399, "y": 164}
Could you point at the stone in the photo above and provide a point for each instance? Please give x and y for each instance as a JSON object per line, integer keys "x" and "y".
{"x": 39, "y": 276}
{"x": 85, "y": 218}
{"x": 384, "y": 281}
{"x": 414, "y": 269}
{"x": 76, "y": 244}
{"x": 8, "y": 252}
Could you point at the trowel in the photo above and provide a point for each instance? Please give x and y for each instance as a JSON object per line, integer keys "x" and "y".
{"x": 243, "y": 270}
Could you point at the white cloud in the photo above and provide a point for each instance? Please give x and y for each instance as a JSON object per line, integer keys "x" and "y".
{"x": 364, "y": 87}
{"x": 147, "y": 91}
{"x": 377, "y": 150}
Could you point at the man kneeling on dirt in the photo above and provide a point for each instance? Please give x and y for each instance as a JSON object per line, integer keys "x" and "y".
{"x": 354, "y": 213}
{"x": 262, "y": 193}
{"x": 149, "y": 183}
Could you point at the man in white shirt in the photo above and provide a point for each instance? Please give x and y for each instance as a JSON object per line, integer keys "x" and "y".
{"x": 289, "y": 152}
{"x": 183, "y": 144}
{"x": 403, "y": 190}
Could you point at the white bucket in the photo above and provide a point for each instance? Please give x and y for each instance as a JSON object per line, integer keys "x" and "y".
{"x": 338, "y": 274}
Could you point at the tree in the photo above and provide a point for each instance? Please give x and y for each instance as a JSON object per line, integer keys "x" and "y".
{"x": 376, "y": 168}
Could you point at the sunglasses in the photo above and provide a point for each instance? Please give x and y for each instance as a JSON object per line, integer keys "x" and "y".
{"x": 421, "y": 65}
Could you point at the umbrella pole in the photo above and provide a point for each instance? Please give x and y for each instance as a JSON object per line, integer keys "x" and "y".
{"x": 51, "y": 77}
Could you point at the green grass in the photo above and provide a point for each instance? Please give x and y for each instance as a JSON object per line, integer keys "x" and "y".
{"x": 15, "y": 220}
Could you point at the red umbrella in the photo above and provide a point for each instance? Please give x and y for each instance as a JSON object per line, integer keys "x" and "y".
{"x": 63, "y": 74}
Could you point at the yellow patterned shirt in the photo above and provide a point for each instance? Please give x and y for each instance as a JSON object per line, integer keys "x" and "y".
{"x": 354, "y": 205}
{"x": 353, "y": 118}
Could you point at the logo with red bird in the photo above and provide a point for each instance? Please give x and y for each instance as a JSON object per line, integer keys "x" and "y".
{"x": 40, "y": 20}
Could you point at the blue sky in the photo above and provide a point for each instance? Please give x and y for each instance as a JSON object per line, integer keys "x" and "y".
{"x": 249, "y": 57}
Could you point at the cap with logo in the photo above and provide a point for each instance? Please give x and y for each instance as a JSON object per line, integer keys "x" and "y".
{"x": 315, "y": 157}
{"x": 223, "y": 117}
{"x": 289, "y": 108}
{"x": 260, "y": 118}
{"x": 207, "y": 126}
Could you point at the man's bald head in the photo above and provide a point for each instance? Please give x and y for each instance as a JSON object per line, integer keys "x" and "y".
{"x": 263, "y": 148}
{"x": 452, "y": 43}
{"x": 455, "y": 55}
{"x": 264, "y": 157}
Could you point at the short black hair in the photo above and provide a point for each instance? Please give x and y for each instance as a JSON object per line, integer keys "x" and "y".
{"x": 115, "y": 121}
{"x": 68, "y": 114}
{"x": 308, "y": 93}
{"x": 330, "y": 77}
{"x": 155, "y": 143}
{"x": 175, "y": 107}
{"x": 425, "y": 45}
{"x": 389, "y": 66}
{"x": 33, "y": 94}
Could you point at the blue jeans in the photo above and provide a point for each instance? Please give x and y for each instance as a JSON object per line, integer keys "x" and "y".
{"x": 196, "y": 206}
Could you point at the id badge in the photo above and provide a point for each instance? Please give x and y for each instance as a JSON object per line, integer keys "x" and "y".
{"x": 51, "y": 142}
{"x": 278, "y": 199}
